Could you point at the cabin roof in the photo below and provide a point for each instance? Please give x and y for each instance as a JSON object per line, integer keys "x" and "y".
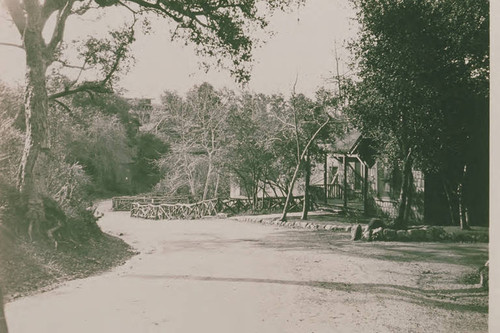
{"x": 353, "y": 143}
{"x": 346, "y": 144}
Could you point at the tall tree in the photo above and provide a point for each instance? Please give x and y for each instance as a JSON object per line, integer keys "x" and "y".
{"x": 219, "y": 28}
{"x": 195, "y": 127}
{"x": 252, "y": 133}
{"x": 423, "y": 94}
{"x": 210, "y": 111}
{"x": 305, "y": 121}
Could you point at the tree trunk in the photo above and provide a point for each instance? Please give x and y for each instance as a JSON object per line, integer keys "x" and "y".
{"x": 477, "y": 180}
{"x": 405, "y": 197}
{"x": 3, "y": 321}
{"x": 207, "y": 181}
{"x": 464, "y": 220}
{"x": 297, "y": 168}
{"x": 35, "y": 102}
{"x": 436, "y": 211}
{"x": 290, "y": 191}
{"x": 366, "y": 206}
{"x": 36, "y": 114}
{"x": 255, "y": 189}
{"x": 216, "y": 190}
{"x": 345, "y": 183}
{"x": 307, "y": 196}
{"x": 263, "y": 195}
{"x": 325, "y": 178}
{"x": 192, "y": 185}
{"x": 409, "y": 197}
{"x": 462, "y": 208}
{"x": 451, "y": 204}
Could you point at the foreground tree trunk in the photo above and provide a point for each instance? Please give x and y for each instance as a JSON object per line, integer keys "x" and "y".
{"x": 36, "y": 100}
{"x": 3, "y": 321}
{"x": 36, "y": 113}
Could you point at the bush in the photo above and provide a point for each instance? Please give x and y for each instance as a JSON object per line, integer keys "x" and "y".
{"x": 55, "y": 226}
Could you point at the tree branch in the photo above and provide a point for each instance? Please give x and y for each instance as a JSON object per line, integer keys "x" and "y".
{"x": 157, "y": 8}
{"x": 17, "y": 14}
{"x": 82, "y": 9}
{"x": 64, "y": 106}
{"x": 126, "y": 6}
{"x": 282, "y": 121}
{"x": 49, "y": 7}
{"x": 58, "y": 33}
{"x": 97, "y": 87}
{"x": 65, "y": 64}
{"x": 13, "y": 45}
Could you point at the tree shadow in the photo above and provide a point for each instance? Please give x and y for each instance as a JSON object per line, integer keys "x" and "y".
{"x": 448, "y": 299}
{"x": 473, "y": 254}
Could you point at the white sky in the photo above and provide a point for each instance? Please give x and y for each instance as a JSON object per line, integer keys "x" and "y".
{"x": 303, "y": 46}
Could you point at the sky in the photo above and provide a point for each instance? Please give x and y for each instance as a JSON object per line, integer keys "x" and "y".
{"x": 302, "y": 47}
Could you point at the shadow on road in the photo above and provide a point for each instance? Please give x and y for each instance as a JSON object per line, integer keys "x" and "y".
{"x": 449, "y": 299}
{"x": 468, "y": 254}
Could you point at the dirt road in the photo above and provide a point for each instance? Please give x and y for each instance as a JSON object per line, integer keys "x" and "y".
{"x": 227, "y": 276}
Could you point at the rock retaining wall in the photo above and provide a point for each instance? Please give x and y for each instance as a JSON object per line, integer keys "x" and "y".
{"x": 414, "y": 234}
{"x": 294, "y": 224}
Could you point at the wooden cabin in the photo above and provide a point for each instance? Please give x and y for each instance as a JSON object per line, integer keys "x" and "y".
{"x": 355, "y": 178}
{"x": 351, "y": 177}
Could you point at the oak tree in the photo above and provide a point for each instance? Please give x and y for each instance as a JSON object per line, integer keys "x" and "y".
{"x": 219, "y": 28}
{"x": 423, "y": 94}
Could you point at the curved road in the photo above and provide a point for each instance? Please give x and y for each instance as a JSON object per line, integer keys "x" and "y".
{"x": 226, "y": 276}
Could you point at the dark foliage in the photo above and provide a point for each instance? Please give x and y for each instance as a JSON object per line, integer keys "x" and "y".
{"x": 145, "y": 170}
{"x": 423, "y": 94}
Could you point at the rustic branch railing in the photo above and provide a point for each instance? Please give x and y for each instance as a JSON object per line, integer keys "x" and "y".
{"x": 234, "y": 206}
{"x": 165, "y": 211}
{"x": 125, "y": 203}
{"x": 269, "y": 204}
{"x": 148, "y": 209}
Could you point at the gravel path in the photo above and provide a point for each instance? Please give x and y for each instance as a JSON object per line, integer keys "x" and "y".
{"x": 227, "y": 276}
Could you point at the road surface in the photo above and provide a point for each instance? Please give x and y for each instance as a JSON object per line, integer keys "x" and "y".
{"x": 225, "y": 276}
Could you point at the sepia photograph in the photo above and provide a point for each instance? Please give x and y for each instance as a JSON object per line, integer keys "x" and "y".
{"x": 247, "y": 166}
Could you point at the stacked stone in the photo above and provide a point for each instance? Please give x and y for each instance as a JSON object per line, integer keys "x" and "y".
{"x": 295, "y": 224}
{"x": 374, "y": 231}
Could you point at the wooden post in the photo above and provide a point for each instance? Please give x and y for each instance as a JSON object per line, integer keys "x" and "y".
{"x": 345, "y": 182}
{"x": 365, "y": 191}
